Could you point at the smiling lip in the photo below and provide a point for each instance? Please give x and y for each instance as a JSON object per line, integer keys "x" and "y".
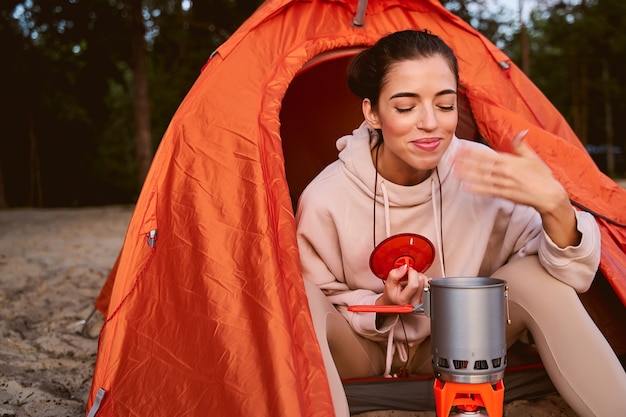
{"x": 427, "y": 144}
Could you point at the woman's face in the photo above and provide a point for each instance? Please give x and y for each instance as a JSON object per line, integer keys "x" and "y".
{"x": 417, "y": 113}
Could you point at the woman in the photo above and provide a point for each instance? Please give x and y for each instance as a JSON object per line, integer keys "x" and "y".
{"x": 487, "y": 213}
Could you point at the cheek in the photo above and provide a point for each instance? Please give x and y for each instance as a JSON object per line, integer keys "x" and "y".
{"x": 399, "y": 127}
{"x": 449, "y": 121}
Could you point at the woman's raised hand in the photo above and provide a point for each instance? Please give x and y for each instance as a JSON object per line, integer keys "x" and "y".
{"x": 521, "y": 177}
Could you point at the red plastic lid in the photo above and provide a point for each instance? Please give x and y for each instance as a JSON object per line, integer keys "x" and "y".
{"x": 406, "y": 248}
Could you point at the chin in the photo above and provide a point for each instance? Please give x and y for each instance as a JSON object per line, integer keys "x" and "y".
{"x": 429, "y": 163}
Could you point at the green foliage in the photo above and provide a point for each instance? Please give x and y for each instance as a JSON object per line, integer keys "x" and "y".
{"x": 68, "y": 90}
{"x": 569, "y": 43}
{"x": 113, "y": 162}
{"x": 68, "y": 124}
{"x": 185, "y": 40}
{"x": 491, "y": 19}
{"x": 62, "y": 65}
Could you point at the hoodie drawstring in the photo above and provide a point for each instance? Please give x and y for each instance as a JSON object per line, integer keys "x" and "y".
{"x": 393, "y": 345}
{"x": 438, "y": 226}
{"x": 383, "y": 189}
{"x": 390, "y": 342}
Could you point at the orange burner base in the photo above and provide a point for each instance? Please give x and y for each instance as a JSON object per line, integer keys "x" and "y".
{"x": 469, "y": 397}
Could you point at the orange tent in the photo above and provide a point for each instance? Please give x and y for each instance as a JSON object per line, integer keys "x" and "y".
{"x": 205, "y": 310}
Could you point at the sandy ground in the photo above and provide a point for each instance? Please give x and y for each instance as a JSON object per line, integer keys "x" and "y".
{"x": 53, "y": 263}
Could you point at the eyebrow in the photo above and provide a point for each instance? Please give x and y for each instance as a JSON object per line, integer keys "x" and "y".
{"x": 440, "y": 93}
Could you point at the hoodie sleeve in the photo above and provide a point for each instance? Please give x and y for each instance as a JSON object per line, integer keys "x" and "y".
{"x": 322, "y": 264}
{"x": 576, "y": 266}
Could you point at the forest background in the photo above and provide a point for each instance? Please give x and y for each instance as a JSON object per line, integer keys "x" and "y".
{"x": 88, "y": 87}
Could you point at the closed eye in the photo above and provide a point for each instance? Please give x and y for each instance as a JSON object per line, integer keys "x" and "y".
{"x": 447, "y": 108}
{"x": 404, "y": 109}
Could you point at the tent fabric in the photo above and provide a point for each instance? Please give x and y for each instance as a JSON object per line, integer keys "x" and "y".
{"x": 205, "y": 308}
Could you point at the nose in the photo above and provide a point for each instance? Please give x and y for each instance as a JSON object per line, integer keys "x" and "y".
{"x": 428, "y": 119}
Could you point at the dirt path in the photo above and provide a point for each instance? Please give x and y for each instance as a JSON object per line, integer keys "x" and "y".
{"x": 52, "y": 265}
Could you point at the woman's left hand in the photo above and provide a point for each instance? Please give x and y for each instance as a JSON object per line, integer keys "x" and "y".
{"x": 398, "y": 291}
{"x": 521, "y": 177}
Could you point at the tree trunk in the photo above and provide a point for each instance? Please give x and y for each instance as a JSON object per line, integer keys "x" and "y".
{"x": 525, "y": 50}
{"x": 579, "y": 93}
{"x": 583, "y": 63}
{"x": 141, "y": 101}
{"x": 3, "y": 198}
{"x": 608, "y": 120}
{"x": 584, "y": 99}
{"x": 35, "y": 198}
{"x": 524, "y": 46}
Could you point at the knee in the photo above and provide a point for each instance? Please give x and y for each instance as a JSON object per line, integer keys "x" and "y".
{"x": 313, "y": 292}
{"x": 318, "y": 303}
{"x": 322, "y": 311}
{"x": 529, "y": 282}
{"x": 526, "y": 266}
{"x": 527, "y": 272}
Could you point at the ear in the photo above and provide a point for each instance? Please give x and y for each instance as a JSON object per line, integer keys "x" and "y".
{"x": 371, "y": 117}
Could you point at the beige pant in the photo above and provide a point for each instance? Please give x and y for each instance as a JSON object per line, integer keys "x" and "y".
{"x": 578, "y": 359}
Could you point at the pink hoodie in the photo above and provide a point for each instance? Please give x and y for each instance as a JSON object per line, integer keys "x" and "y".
{"x": 477, "y": 234}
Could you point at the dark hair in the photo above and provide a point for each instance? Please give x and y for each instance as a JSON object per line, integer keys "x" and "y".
{"x": 367, "y": 71}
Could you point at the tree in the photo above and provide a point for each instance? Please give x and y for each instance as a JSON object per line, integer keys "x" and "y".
{"x": 92, "y": 85}
{"x": 63, "y": 55}
{"x": 143, "y": 135}
{"x": 582, "y": 44}
{"x": 13, "y": 138}
{"x": 487, "y": 17}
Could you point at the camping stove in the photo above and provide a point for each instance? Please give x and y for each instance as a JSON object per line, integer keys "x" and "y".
{"x": 468, "y": 344}
{"x": 467, "y": 317}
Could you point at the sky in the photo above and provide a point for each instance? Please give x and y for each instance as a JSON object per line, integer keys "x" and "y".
{"x": 511, "y": 4}
{"x": 514, "y": 5}
{"x": 527, "y": 5}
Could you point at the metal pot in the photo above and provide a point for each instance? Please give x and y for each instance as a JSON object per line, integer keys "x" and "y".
{"x": 468, "y": 316}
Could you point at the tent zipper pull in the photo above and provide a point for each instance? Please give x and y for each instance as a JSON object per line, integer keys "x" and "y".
{"x": 152, "y": 234}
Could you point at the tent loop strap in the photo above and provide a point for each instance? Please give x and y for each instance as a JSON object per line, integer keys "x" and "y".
{"x": 84, "y": 332}
{"x": 359, "y": 17}
{"x": 96, "y": 404}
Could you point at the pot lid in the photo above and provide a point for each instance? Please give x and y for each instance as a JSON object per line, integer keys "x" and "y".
{"x": 411, "y": 249}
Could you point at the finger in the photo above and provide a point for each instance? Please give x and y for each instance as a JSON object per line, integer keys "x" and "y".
{"x": 477, "y": 172}
{"x": 520, "y": 147}
{"x": 414, "y": 286}
{"x": 413, "y": 282}
{"x": 396, "y": 274}
{"x": 423, "y": 282}
{"x": 473, "y": 164}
